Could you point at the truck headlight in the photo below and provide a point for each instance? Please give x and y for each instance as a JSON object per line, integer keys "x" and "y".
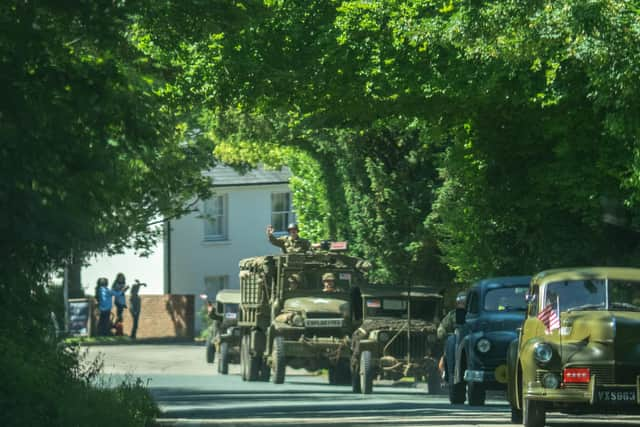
{"x": 297, "y": 320}
{"x": 483, "y": 345}
{"x": 383, "y": 336}
{"x": 542, "y": 352}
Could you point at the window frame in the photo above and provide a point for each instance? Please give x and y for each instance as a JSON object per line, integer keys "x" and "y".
{"x": 289, "y": 214}
{"x": 209, "y": 223}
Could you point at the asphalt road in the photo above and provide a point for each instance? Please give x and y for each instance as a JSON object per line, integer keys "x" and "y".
{"x": 191, "y": 393}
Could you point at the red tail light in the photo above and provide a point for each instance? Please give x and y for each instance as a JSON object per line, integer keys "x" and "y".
{"x": 576, "y": 375}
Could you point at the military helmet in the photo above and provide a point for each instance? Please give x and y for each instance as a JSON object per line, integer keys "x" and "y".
{"x": 328, "y": 276}
{"x": 295, "y": 277}
{"x": 292, "y": 225}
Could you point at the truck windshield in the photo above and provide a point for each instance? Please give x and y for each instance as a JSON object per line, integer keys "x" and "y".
{"x": 423, "y": 309}
{"x": 506, "y": 299}
{"x": 231, "y": 311}
{"x": 594, "y": 294}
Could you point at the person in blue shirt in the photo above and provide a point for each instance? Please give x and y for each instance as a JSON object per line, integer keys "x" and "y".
{"x": 105, "y": 303}
{"x": 119, "y": 287}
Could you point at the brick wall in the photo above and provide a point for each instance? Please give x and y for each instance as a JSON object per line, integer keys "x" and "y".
{"x": 161, "y": 316}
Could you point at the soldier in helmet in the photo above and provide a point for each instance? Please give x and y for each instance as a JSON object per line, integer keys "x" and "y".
{"x": 329, "y": 283}
{"x": 292, "y": 243}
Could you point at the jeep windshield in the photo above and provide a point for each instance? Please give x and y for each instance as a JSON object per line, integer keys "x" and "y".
{"x": 594, "y": 294}
{"x": 506, "y": 299}
{"x": 421, "y": 309}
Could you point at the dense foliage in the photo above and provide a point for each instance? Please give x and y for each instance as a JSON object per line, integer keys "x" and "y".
{"x": 444, "y": 139}
{"x": 92, "y": 149}
{"x": 501, "y": 135}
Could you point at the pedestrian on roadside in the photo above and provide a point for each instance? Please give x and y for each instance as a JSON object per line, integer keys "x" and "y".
{"x": 135, "y": 305}
{"x": 119, "y": 285}
{"x": 105, "y": 303}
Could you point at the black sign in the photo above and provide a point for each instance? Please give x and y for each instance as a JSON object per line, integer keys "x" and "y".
{"x": 79, "y": 317}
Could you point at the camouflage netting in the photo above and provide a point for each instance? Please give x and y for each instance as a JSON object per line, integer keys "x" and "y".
{"x": 259, "y": 264}
{"x": 396, "y": 324}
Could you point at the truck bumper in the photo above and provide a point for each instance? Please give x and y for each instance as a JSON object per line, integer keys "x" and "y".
{"x": 605, "y": 398}
{"x": 329, "y": 348}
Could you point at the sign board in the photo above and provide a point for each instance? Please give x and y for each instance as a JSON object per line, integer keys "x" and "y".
{"x": 80, "y": 317}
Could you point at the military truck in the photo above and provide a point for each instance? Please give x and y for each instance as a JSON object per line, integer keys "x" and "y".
{"x": 287, "y": 319}
{"x": 397, "y": 337}
{"x": 224, "y": 333}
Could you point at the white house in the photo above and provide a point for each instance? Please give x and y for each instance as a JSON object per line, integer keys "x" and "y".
{"x": 202, "y": 249}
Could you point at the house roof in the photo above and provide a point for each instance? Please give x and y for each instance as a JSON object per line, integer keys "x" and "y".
{"x": 226, "y": 176}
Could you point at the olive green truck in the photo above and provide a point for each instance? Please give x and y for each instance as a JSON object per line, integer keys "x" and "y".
{"x": 289, "y": 320}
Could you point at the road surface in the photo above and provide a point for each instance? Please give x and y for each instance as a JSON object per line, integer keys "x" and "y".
{"x": 191, "y": 393}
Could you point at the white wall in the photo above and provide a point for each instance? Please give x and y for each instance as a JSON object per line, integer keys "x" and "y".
{"x": 147, "y": 270}
{"x": 193, "y": 259}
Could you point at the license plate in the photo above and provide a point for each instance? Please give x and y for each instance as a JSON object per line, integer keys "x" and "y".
{"x": 323, "y": 323}
{"x": 613, "y": 395}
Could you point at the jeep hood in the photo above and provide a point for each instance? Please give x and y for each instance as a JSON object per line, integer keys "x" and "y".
{"x": 317, "y": 305}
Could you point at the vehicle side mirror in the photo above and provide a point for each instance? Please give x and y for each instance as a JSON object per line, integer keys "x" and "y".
{"x": 530, "y": 298}
{"x": 460, "y": 315}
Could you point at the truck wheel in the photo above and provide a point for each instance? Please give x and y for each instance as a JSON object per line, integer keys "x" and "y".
{"x": 223, "y": 359}
{"x": 278, "y": 363}
{"x": 475, "y": 394}
{"x": 211, "y": 351}
{"x": 244, "y": 348}
{"x": 355, "y": 379}
{"x": 265, "y": 371}
{"x": 366, "y": 373}
{"x": 253, "y": 366}
{"x": 533, "y": 413}
{"x": 456, "y": 391}
{"x": 340, "y": 374}
{"x": 434, "y": 385}
{"x": 332, "y": 375}
{"x": 516, "y": 415}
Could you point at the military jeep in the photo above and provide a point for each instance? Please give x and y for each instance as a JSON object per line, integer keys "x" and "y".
{"x": 224, "y": 333}
{"x": 397, "y": 337}
{"x": 577, "y": 351}
{"x": 289, "y": 321}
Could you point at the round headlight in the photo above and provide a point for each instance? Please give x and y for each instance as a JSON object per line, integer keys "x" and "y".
{"x": 483, "y": 345}
{"x": 383, "y": 336}
{"x": 297, "y": 320}
{"x": 542, "y": 352}
{"x": 550, "y": 380}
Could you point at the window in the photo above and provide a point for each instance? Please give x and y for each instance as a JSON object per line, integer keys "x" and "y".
{"x": 506, "y": 299}
{"x": 215, "y": 218}
{"x": 473, "y": 306}
{"x": 281, "y": 212}
{"x": 213, "y": 284}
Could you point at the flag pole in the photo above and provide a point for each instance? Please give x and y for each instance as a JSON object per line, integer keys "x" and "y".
{"x": 560, "y": 328}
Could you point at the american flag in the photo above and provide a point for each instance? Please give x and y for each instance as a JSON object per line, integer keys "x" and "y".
{"x": 550, "y": 318}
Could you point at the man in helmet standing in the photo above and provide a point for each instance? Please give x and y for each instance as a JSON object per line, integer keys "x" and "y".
{"x": 292, "y": 243}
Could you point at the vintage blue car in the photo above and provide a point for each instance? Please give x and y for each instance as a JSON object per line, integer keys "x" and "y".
{"x": 476, "y": 353}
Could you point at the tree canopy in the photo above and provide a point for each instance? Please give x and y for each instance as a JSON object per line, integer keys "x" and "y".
{"x": 494, "y": 137}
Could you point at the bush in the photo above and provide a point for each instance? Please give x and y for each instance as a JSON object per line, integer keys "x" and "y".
{"x": 46, "y": 384}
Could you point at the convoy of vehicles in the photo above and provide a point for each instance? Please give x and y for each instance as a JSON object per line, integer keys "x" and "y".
{"x": 397, "y": 336}
{"x": 289, "y": 320}
{"x": 579, "y": 347}
{"x": 475, "y": 355}
{"x": 565, "y": 340}
{"x": 223, "y": 339}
